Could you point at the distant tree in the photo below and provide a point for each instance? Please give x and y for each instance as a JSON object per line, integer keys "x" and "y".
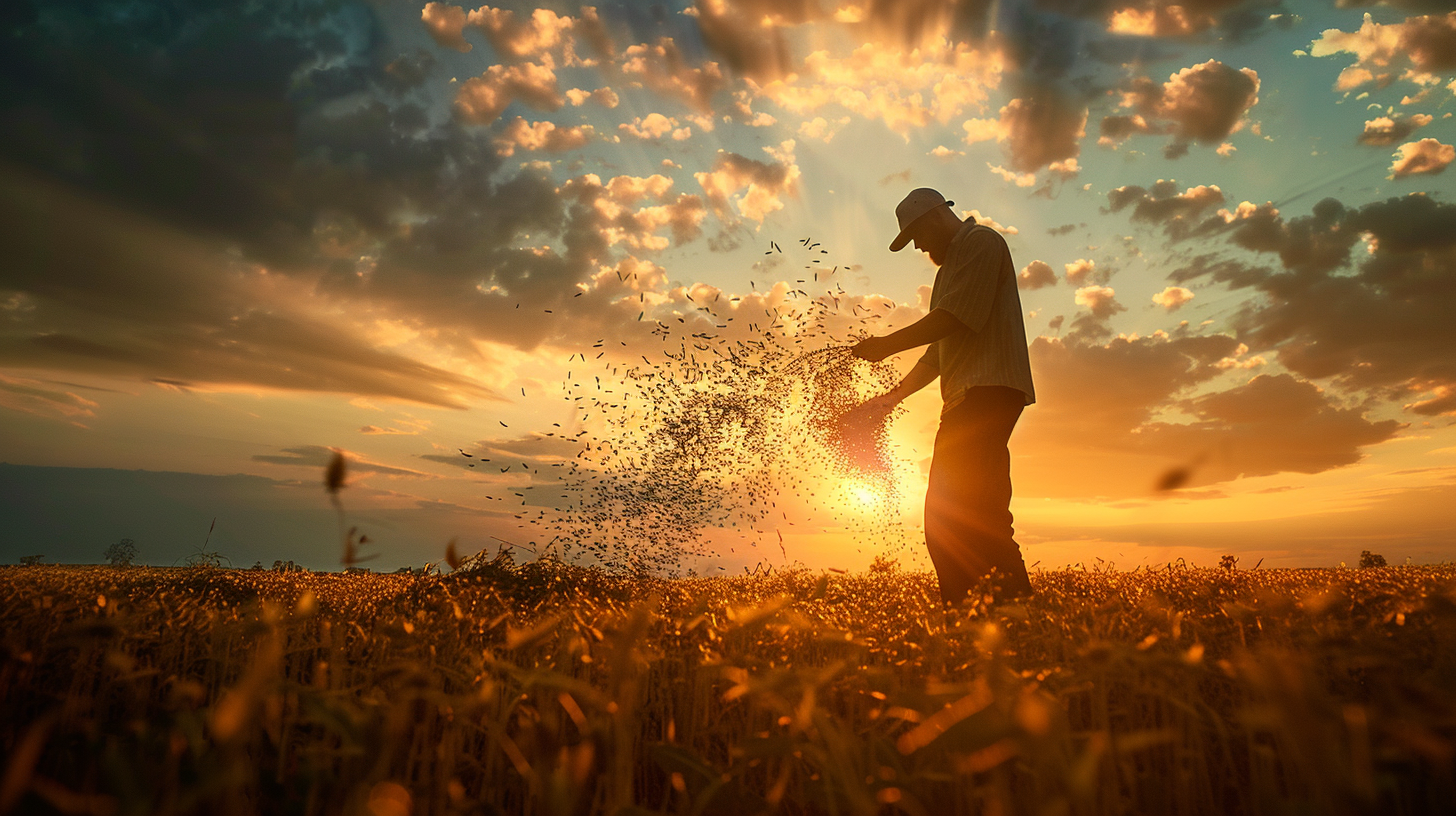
{"x": 122, "y": 553}
{"x": 31, "y": 560}
{"x": 1369, "y": 559}
{"x": 1229, "y": 562}
{"x": 884, "y": 564}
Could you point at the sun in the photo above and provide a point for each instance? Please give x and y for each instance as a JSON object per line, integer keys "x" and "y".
{"x": 864, "y": 494}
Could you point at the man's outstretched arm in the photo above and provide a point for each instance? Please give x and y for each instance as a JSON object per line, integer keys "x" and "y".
{"x": 939, "y": 323}
{"x": 923, "y": 374}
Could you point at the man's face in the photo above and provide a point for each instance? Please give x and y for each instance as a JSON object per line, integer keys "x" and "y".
{"x": 930, "y": 245}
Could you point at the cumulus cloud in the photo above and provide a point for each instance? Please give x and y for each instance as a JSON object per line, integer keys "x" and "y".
{"x": 615, "y": 216}
{"x": 1157, "y": 21}
{"x": 482, "y": 99}
{"x": 445, "y": 23}
{"x": 1100, "y": 300}
{"x": 1100, "y": 406}
{"x": 1078, "y": 271}
{"x": 1036, "y": 275}
{"x": 763, "y": 183}
{"x": 1011, "y": 176}
{"x": 1415, "y": 50}
{"x": 1201, "y": 103}
{"x": 1042, "y": 128}
{"x": 988, "y": 221}
{"x": 523, "y": 135}
{"x": 1427, "y": 156}
{"x": 1172, "y": 298}
{"x": 606, "y": 97}
{"x": 518, "y": 37}
{"x": 662, "y": 67}
{"x": 654, "y": 126}
{"x": 1386, "y": 130}
{"x": 1376, "y": 322}
{"x": 1180, "y": 213}
{"x": 822, "y": 129}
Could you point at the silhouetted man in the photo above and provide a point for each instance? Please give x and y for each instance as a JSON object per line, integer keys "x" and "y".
{"x": 977, "y": 347}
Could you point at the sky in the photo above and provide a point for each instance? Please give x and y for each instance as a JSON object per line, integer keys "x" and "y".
{"x": 240, "y": 237}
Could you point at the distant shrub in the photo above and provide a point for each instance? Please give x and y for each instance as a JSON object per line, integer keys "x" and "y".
{"x": 883, "y": 564}
{"x": 30, "y": 560}
{"x": 1229, "y": 562}
{"x": 121, "y": 554}
{"x": 1369, "y": 559}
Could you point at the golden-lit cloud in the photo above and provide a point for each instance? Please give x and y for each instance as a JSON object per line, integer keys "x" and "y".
{"x": 1036, "y": 275}
{"x": 1100, "y": 300}
{"x": 518, "y": 37}
{"x": 1386, "y": 130}
{"x": 617, "y": 218}
{"x": 606, "y": 97}
{"x": 1180, "y": 213}
{"x": 1415, "y": 50}
{"x": 655, "y": 126}
{"x": 482, "y": 99}
{"x": 662, "y": 67}
{"x": 1101, "y": 406}
{"x": 1172, "y": 298}
{"x": 31, "y": 396}
{"x": 445, "y": 23}
{"x": 1079, "y": 270}
{"x": 1012, "y": 177}
{"x": 1157, "y": 21}
{"x": 1427, "y": 156}
{"x": 546, "y": 136}
{"x": 1201, "y": 103}
{"x": 763, "y": 183}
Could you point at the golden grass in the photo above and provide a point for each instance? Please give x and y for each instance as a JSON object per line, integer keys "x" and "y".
{"x": 547, "y": 689}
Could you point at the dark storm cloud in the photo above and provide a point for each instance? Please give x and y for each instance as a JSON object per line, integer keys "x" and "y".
{"x": 213, "y": 154}
{"x": 1098, "y": 429}
{"x": 1201, "y": 103}
{"x": 114, "y": 293}
{"x": 1181, "y": 214}
{"x": 318, "y": 456}
{"x": 1376, "y": 319}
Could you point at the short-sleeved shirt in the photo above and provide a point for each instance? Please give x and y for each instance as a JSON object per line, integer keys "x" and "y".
{"x": 977, "y": 284}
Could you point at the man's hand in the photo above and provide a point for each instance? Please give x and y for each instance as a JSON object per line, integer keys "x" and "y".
{"x": 874, "y": 349}
{"x": 867, "y": 414}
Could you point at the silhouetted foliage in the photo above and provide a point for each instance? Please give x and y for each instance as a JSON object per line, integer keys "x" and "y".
{"x": 1370, "y": 559}
{"x": 121, "y": 554}
{"x": 31, "y": 560}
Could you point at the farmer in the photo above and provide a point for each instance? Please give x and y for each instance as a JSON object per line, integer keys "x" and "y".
{"x": 977, "y": 347}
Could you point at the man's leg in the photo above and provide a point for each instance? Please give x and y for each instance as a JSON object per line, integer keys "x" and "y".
{"x": 967, "y": 506}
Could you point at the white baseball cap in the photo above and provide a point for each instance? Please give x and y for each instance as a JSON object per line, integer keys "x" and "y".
{"x": 918, "y": 202}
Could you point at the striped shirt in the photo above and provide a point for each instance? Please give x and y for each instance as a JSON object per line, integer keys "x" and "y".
{"x": 977, "y": 284}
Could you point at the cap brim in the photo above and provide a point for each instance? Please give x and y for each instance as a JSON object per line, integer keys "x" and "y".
{"x": 906, "y": 234}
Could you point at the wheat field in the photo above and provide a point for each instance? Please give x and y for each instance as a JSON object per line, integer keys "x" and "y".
{"x": 550, "y": 689}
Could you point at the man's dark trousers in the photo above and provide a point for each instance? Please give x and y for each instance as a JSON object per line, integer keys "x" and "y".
{"x": 968, "y": 505}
